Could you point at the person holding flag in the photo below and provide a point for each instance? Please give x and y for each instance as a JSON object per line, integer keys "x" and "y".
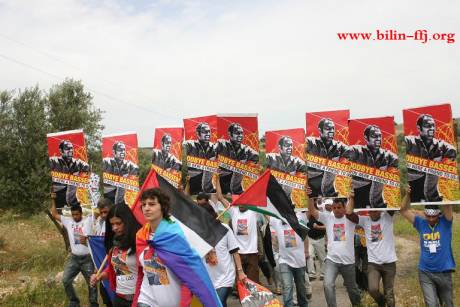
{"x": 120, "y": 246}
{"x": 168, "y": 268}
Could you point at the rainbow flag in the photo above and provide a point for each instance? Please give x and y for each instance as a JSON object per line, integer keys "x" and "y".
{"x": 173, "y": 249}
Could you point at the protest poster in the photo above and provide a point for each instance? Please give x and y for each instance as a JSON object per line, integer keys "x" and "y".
{"x": 326, "y": 153}
{"x": 120, "y": 167}
{"x": 201, "y": 152}
{"x": 431, "y": 155}
{"x": 167, "y": 154}
{"x": 70, "y": 171}
{"x": 238, "y": 151}
{"x": 374, "y": 163}
{"x": 285, "y": 157}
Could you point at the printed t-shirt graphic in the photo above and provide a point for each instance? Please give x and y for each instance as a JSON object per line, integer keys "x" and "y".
{"x": 339, "y": 232}
{"x": 242, "y": 227}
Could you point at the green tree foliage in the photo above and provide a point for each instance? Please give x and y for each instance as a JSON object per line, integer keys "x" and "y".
{"x": 70, "y": 107}
{"x": 25, "y": 119}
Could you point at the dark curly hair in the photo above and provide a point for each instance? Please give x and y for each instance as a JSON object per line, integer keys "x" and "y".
{"x": 162, "y": 197}
{"x": 131, "y": 226}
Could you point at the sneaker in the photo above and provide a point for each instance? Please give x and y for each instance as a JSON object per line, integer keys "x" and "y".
{"x": 311, "y": 277}
{"x": 321, "y": 277}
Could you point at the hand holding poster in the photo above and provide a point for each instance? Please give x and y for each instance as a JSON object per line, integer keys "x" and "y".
{"x": 326, "y": 148}
{"x": 238, "y": 152}
{"x": 286, "y": 160}
{"x": 167, "y": 154}
{"x": 69, "y": 167}
{"x": 374, "y": 163}
{"x": 120, "y": 167}
{"x": 201, "y": 152}
{"x": 431, "y": 154}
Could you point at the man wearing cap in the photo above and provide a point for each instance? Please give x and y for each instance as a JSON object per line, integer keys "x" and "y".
{"x": 436, "y": 262}
{"x": 322, "y": 182}
{"x": 425, "y": 186}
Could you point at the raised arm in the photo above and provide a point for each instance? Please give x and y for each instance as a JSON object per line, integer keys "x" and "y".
{"x": 187, "y": 185}
{"x": 448, "y": 212}
{"x": 349, "y": 209}
{"x": 311, "y": 204}
{"x": 405, "y": 207}
{"x": 219, "y": 194}
{"x": 53, "y": 209}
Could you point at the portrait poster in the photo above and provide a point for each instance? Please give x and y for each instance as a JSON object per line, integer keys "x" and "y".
{"x": 237, "y": 151}
{"x": 120, "y": 167}
{"x": 431, "y": 155}
{"x": 285, "y": 157}
{"x": 167, "y": 154}
{"x": 374, "y": 163}
{"x": 326, "y": 146}
{"x": 70, "y": 171}
{"x": 201, "y": 152}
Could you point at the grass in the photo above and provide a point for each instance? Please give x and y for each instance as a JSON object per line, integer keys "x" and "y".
{"x": 32, "y": 253}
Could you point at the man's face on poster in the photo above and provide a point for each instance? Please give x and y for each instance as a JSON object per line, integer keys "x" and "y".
{"x": 67, "y": 151}
{"x": 204, "y": 133}
{"x": 120, "y": 152}
{"x": 166, "y": 144}
{"x": 237, "y": 135}
{"x": 374, "y": 140}
{"x": 286, "y": 147}
{"x": 428, "y": 128}
{"x": 328, "y": 131}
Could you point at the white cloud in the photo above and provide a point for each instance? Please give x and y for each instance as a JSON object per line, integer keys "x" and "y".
{"x": 177, "y": 59}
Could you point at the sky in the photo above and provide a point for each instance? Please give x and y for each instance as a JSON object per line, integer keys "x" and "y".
{"x": 152, "y": 63}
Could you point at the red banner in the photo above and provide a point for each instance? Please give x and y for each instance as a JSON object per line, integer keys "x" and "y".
{"x": 431, "y": 154}
{"x": 285, "y": 158}
{"x": 252, "y": 294}
{"x": 201, "y": 152}
{"x": 70, "y": 170}
{"x": 326, "y": 153}
{"x": 238, "y": 151}
{"x": 374, "y": 163}
{"x": 167, "y": 154}
{"x": 120, "y": 167}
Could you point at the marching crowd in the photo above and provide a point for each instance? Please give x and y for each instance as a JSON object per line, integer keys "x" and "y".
{"x": 143, "y": 276}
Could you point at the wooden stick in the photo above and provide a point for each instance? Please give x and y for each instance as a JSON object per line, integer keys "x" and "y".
{"x": 223, "y": 212}
{"x": 102, "y": 266}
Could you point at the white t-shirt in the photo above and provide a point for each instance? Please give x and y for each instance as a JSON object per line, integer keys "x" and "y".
{"x": 99, "y": 228}
{"x": 291, "y": 246}
{"x": 217, "y": 206}
{"x": 223, "y": 273}
{"x": 244, "y": 226}
{"x": 160, "y": 287}
{"x": 124, "y": 265}
{"x": 74, "y": 231}
{"x": 379, "y": 238}
{"x": 340, "y": 238}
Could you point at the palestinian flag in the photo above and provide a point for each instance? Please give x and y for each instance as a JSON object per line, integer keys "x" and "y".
{"x": 266, "y": 196}
{"x": 201, "y": 230}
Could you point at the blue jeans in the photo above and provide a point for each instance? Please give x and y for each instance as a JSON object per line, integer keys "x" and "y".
{"x": 348, "y": 273}
{"x": 223, "y": 294}
{"x": 288, "y": 274}
{"x": 75, "y": 265}
{"x": 437, "y": 288}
